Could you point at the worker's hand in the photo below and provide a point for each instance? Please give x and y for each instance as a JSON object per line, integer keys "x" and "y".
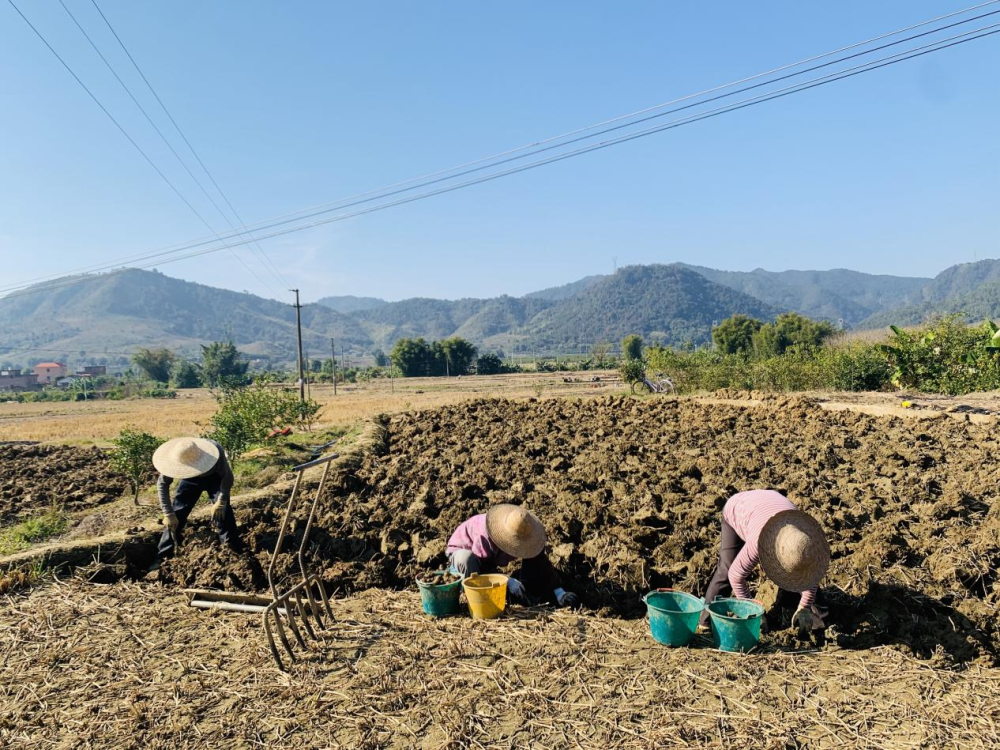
{"x": 568, "y": 599}
{"x": 802, "y": 621}
{"x": 517, "y": 591}
{"x": 171, "y": 522}
{"x": 219, "y": 513}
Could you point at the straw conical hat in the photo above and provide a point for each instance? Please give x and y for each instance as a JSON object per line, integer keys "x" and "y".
{"x": 184, "y": 458}
{"x": 515, "y": 530}
{"x": 793, "y": 550}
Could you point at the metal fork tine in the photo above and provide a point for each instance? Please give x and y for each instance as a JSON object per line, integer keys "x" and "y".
{"x": 290, "y": 614}
{"x": 304, "y": 614}
{"x": 270, "y": 641}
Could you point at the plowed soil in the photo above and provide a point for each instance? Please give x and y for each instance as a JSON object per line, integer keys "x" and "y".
{"x": 631, "y": 492}
{"x": 34, "y": 478}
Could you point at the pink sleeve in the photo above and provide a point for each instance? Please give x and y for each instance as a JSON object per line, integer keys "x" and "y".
{"x": 740, "y": 571}
{"x": 808, "y": 598}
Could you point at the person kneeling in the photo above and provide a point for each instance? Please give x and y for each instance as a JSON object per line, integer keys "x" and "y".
{"x": 764, "y": 526}
{"x": 488, "y": 541}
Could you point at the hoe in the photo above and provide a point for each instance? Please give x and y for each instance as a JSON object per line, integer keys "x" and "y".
{"x": 302, "y": 601}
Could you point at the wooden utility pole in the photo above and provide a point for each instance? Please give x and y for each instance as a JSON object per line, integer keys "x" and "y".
{"x": 298, "y": 323}
{"x": 333, "y": 363}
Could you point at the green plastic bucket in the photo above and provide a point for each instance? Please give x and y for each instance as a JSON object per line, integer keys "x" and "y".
{"x": 673, "y": 616}
{"x": 440, "y": 600}
{"x": 735, "y": 624}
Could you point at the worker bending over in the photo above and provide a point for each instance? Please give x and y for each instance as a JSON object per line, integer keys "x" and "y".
{"x": 506, "y": 533}
{"x": 764, "y": 526}
{"x": 201, "y": 466}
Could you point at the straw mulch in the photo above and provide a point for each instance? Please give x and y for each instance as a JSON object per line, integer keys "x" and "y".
{"x": 130, "y": 665}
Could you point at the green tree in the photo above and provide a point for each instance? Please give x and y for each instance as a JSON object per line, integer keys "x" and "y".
{"x": 185, "y": 375}
{"x": 735, "y": 335}
{"x": 459, "y": 355}
{"x": 381, "y": 358}
{"x": 632, "y": 346}
{"x": 132, "y": 456}
{"x": 221, "y": 362}
{"x": 155, "y": 363}
{"x": 411, "y": 357}
{"x": 489, "y": 364}
{"x": 788, "y": 330}
{"x": 631, "y": 370}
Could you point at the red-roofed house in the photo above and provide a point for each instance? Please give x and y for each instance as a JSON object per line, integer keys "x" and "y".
{"x": 49, "y": 372}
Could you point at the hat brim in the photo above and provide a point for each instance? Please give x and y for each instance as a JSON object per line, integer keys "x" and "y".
{"x": 522, "y": 548}
{"x": 806, "y": 577}
{"x": 167, "y": 462}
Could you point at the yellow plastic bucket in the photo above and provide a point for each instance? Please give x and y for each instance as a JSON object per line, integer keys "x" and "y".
{"x": 486, "y": 594}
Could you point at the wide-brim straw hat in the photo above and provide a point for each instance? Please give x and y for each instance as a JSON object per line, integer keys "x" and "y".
{"x": 515, "y": 530}
{"x": 185, "y": 458}
{"x": 793, "y": 550}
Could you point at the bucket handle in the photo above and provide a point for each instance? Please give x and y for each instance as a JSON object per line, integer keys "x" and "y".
{"x": 668, "y": 590}
{"x": 755, "y": 601}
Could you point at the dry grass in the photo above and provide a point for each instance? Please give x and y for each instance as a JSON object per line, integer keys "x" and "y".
{"x": 99, "y": 421}
{"x": 130, "y": 665}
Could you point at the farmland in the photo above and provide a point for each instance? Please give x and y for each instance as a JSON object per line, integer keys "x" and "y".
{"x": 630, "y": 491}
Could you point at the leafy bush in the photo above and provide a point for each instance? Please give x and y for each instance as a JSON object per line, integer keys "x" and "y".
{"x": 946, "y": 357}
{"x": 632, "y": 370}
{"x": 247, "y": 414}
{"x": 132, "y": 456}
{"x": 489, "y": 364}
{"x": 790, "y": 330}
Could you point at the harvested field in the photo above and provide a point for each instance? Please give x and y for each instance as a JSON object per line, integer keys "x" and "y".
{"x": 34, "y": 478}
{"x": 631, "y": 492}
{"x": 129, "y": 665}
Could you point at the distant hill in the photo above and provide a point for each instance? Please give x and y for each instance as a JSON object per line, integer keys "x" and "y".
{"x": 834, "y": 295}
{"x": 144, "y": 308}
{"x": 972, "y": 289}
{"x": 557, "y": 293}
{"x": 348, "y": 303}
{"x": 670, "y": 303}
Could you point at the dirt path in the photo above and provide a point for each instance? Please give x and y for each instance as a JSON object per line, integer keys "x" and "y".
{"x": 130, "y": 665}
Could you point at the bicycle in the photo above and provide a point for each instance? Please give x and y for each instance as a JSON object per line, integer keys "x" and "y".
{"x": 662, "y": 384}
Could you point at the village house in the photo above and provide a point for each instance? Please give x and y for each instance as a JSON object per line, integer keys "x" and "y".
{"x": 92, "y": 371}
{"x": 50, "y": 372}
{"x": 15, "y": 380}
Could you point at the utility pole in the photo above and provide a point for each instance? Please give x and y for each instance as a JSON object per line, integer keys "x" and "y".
{"x": 333, "y": 364}
{"x": 343, "y": 360}
{"x": 298, "y": 323}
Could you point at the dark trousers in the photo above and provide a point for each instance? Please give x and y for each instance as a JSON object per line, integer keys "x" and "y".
{"x": 188, "y": 493}
{"x": 729, "y": 547}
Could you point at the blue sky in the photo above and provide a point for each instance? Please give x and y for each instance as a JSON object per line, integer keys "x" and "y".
{"x": 295, "y": 104}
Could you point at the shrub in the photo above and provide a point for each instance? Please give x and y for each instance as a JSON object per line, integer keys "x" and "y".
{"x": 632, "y": 370}
{"x": 132, "y": 456}
{"x": 735, "y": 334}
{"x": 632, "y": 346}
{"x": 247, "y": 414}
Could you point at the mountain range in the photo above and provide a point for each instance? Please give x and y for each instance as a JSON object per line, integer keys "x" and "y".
{"x": 106, "y": 316}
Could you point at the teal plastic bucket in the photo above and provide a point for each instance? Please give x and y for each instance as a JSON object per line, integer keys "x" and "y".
{"x": 673, "y": 616}
{"x": 440, "y": 600}
{"x": 735, "y": 624}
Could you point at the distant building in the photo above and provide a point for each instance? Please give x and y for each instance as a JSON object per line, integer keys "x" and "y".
{"x": 50, "y": 372}
{"x": 92, "y": 371}
{"x": 16, "y": 380}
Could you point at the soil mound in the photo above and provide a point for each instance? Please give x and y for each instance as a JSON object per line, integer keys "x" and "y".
{"x": 631, "y": 492}
{"x": 36, "y": 477}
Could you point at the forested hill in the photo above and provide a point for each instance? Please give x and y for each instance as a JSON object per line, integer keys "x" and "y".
{"x": 121, "y": 311}
{"x": 669, "y": 303}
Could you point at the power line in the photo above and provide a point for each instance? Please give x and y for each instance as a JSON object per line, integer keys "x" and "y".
{"x": 382, "y": 192}
{"x": 122, "y": 130}
{"x": 263, "y": 254}
{"x": 797, "y": 88}
{"x": 865, "y": 67}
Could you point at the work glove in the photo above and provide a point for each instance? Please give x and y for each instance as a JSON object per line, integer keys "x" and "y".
{"x": 219, "y": 513}
{"x": 171, "y": 522}
{"x": 517, "y": 591}
{"x": 802, "y": 621}
{"x": 568, "y": 599}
